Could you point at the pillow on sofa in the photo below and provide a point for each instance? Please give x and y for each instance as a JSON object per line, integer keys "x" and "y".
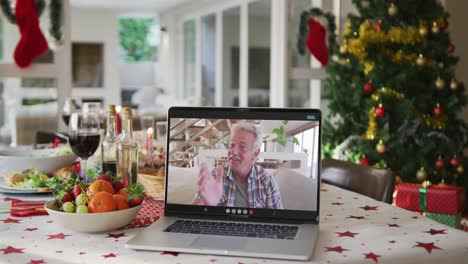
{"x": 297, "y": 191}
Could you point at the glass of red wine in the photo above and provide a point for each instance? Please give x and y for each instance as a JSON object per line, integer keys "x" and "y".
{"x": 83, "y": 137}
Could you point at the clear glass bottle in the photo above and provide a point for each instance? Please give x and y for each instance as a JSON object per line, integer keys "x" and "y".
{"x": 109, "y": 143}
{"x": 127, "y": 150}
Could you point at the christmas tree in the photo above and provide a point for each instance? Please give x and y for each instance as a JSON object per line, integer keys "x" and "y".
{"x": 393, "y": 94}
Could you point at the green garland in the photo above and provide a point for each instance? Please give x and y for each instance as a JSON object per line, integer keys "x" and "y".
{"x": 303, "y": 29}
{"x": 55, "y": 14}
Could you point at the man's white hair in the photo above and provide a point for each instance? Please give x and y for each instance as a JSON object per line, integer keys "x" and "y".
{"x": 250, "y": 127}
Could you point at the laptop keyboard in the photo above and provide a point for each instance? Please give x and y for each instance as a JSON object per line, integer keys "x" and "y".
{"x": 233, "y": 229}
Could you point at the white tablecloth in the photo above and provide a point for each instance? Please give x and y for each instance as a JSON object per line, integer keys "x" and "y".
{"x": 353, "y": 229}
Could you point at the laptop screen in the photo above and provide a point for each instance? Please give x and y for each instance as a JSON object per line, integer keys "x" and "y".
{"x": 243, "y": 162}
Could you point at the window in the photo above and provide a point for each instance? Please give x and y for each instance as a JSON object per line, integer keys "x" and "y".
{"x": 138, "y": 39}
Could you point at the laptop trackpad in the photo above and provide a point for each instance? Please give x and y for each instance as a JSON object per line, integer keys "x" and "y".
{"x": 218, "y": 243}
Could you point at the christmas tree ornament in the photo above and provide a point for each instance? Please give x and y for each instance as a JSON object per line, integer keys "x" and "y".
{"x": 422, "y": 31}
{"x": 371, "y": 131}
{"x": 343, "y": 49}
{"x": 442, "y": 182}
{"x": 380, "y": 147}
{"x": 364, "y": 161}
{"x": 378, "y": 25}
{"x": 380, "y": 111}
{"x": 443, "y": 24}
{"x": 368, "y": 87}
{"x": 437, "y": 110}
{"x": 439, "y": 164}
{"x": 435, "y": 28}
{"x": 426, "y": 184}
{"x": 32, "y": 43}
{"x": 454, "y": 161}
{"x": 460, "y": 169}
{"x": 439, "y": 83}
{"x": 440, "y": 65}
{"x": 451, "y": 48}
{"x": 316, "y": 42}
{"x": 420, "y": 60}
{"x": 453, "y": 85}
{"x": 421, "y": 174}
{"x": 392, "y": 10}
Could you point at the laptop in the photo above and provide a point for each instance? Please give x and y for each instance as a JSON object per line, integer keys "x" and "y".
{"x": 239, "y": 182}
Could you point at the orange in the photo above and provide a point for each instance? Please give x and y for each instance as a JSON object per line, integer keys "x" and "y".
{"x": 121, "y": 202}
{"x": 100, "y": 186}
{"x": 102, "y": 202}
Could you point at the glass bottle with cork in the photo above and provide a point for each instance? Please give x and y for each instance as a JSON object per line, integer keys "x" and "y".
{"x": 127, "y": 150}
{"x": 109, "y": 143}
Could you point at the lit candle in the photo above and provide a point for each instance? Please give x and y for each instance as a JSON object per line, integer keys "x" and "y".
{"x": 149, "y": 142}
{"x": 118, "y": 125}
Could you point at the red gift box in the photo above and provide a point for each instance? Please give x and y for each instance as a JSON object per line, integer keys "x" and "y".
{"x": 442, "y": 199}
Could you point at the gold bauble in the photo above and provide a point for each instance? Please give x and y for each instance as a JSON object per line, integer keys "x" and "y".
{"x": 440, "y": 83}
{"x": 343, "y": 49}
{"x": 392, "y": 9}
{"x": 435, "y": 28}
{"x": 460, "y": 169}
{"x": 380, "y": 147}
{"x": 420, "y": 60}
{"x": 422, "y": 31}
{"x": 453, "y": 85}
{"x": 421, "y": 174}
{"x": 426, "y": 184}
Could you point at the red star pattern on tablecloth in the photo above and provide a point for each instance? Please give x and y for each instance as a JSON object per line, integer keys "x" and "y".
{"x": 415, "y": 217}
{"x": 30, "y": 229}
{"x": 81, "y": 253}
{"x": 59, "y": 251}
{"x": 11, "y": 220}
{"x": 7, "y": 199}
{"x": 57, "y": 236}
{"x": 393, "y": 225}
{"x": 116, "y": 235}
{"x": 392, "y": 241}
{"x": 369, "y": 208}
{"x": 213, "y": 260}
{"x": 346, "y": 234}
{"x": 324, "y": 190}
{"x": 427, "y": 246}
{"x": 338, "y": 249}
{"x": 39, "y": 261}
{"x": 170, "y": 253}
{"x": 372, "y": 256}
{"x": 436, "y": 232}
{"x": 10, "y": 249}
{"x": 110, "y": 255}
{"x": 356, "y": 217}
{"x": 337, "y": 203}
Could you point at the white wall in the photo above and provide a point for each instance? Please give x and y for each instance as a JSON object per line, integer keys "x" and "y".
{"x": 137, "y": 74}
{"x": 99, "y": 25}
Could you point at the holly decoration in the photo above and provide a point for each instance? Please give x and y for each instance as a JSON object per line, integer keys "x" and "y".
{"x": 439, "y": 164}
{"x": 437, "y": 110}
{"x": 380, "y": 111}
{"x": 380, "y": 147}
{"x": 454, "y": 161}
{"x": 364, "y": 161}
{"x": 421, "y": 174}
{"x": 368, "y": 87}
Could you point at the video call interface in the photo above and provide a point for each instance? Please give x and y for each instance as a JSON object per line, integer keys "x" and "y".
{"x": 244, "y": 163}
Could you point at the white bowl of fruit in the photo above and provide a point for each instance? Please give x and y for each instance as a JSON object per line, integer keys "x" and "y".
{"x": 94, "y": 207}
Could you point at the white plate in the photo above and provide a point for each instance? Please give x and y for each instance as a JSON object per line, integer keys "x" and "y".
{"x": 5, "y": 188}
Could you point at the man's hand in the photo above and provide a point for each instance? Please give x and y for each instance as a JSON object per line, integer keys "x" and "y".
{"x": 210, "y": 189}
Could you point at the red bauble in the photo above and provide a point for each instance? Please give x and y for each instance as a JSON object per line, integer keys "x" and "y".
{"x": 364, "y": 161}
{"x": 439, "y": 164}
{"x": 378, "y": 26}
{"x": 451, "y": 48}
{"x": 443, "y": 24}
{"x": 454, "y": 161}
{"x": 380, "y": 111}
{"x": 437, "y": 110}
{"x": 368, "y": 87}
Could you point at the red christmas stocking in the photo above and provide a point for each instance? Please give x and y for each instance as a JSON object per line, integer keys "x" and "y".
{"x": 32, "y": 43}
{"x": 316, "y": 41}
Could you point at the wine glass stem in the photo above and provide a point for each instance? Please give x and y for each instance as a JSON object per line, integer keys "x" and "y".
{"x": 84, "y": 169}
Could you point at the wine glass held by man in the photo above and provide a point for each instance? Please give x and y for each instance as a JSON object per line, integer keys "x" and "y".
{"x": 84, "y": 137}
